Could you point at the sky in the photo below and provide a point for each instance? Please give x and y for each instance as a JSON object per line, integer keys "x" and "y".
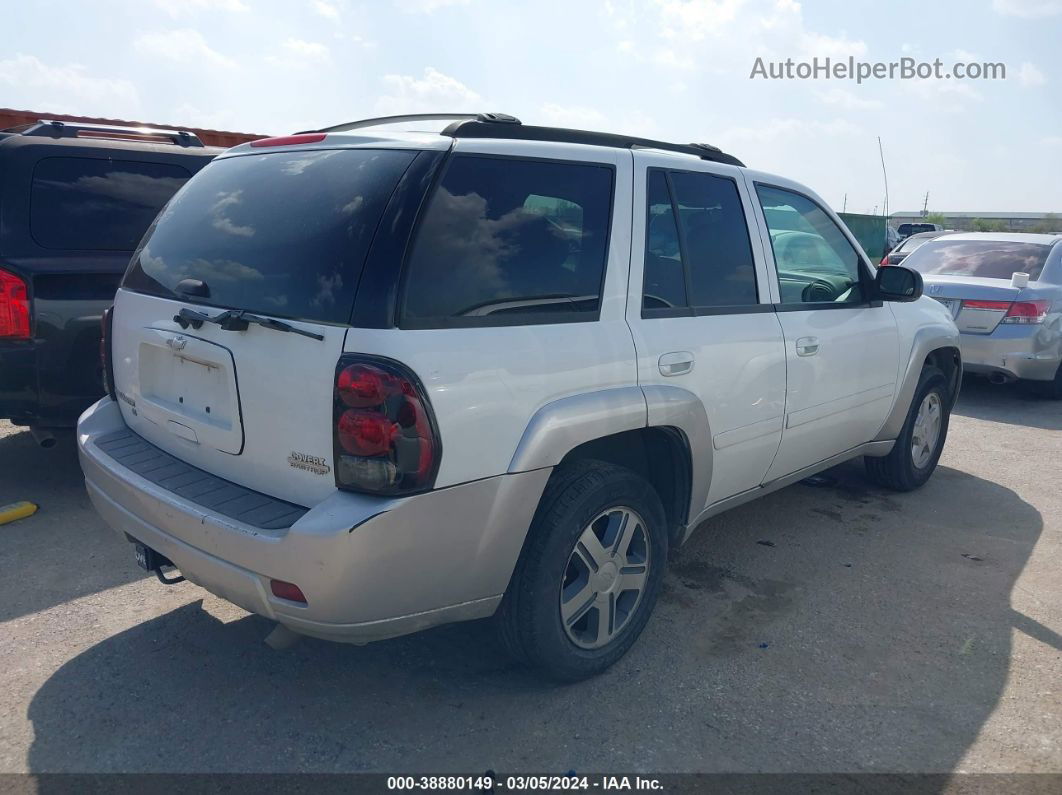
{"x": 676, "y": 70}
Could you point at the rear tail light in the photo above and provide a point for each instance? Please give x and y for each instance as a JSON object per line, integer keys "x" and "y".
{"x": 287, "y": 590}
{"x": 994, "y": 306}
{"x": 106, "y": 363}
{"x": 884, "y": 261}
{"x": 1027, "y": 312}
{"x": 385, "y": 437}
{"x": 14, "y": 307}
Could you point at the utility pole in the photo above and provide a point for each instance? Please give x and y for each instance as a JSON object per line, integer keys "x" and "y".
{"x": 925, "y": 206}
{"x": 885, "y": 174}
{"x": 844, "y": 204}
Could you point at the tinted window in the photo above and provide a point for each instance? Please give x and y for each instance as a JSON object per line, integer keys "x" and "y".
{"x": 284, "y": 233}
{"x": 664, "y": 283}
{"x": 815, "y": 261}
{"x": 85, "y": 204}
{"x": 911, "y": 243}
{"x": 992, "y": 259}
{"x": 716, "y": 248}
{"x": 507, "y": 240}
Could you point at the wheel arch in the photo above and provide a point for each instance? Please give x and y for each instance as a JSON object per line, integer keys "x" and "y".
{"x": 661, "y": 432}
{"x": 935, "y": 345}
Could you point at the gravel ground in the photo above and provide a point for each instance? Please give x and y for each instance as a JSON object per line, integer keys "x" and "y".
{"x": 819, "y": 629}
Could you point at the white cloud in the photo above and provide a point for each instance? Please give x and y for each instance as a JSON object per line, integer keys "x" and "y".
{"x": 946, "y": 95}
{"x": 1052, "y": 140}
{"x": 326, "y": 9}
{"x": 787, "y": 129}
{"x": 848, "y": 100}
{"x": 1029, "y": 75}
{"x": 434, "y": 92}
{"x": 428, "y": 6}
{"x": 184, "y": 45}
{"x": 298, "y": 53}
{"x": 29, "y": 82}
{"x": 696, "y": 19}
{"x": 575, "y": 116}
{"x": 722, "y": 36}
{"x": 1028, "y": 9}
{"x": 180, "y": 8}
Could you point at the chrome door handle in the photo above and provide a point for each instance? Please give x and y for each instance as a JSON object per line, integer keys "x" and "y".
{"x": 676, "y": 363}
{"x": 807, "y": 346}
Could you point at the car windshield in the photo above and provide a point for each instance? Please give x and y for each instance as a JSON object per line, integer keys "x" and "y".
{"x": 991, "y": 259}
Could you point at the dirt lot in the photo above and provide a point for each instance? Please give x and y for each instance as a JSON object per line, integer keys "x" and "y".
{"x": 838, "y": 628}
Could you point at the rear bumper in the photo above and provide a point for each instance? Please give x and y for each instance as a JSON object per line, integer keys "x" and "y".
{"x": 370, "y": 568}
{"x": 1014, "y": 351}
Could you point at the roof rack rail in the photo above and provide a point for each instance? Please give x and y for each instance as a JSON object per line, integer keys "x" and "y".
{"x": 502, "y": 125}
{"x": 76, "y": 129}
{"x": 475, "y": 128}
{"x": 491, "y": 118}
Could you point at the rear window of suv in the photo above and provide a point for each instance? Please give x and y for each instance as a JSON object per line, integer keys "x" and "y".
{"x": 87, "y": 204}
{"x": 283, "y": 233}
{"x": 509, "y": 241}
{"x": 991, "y": 259}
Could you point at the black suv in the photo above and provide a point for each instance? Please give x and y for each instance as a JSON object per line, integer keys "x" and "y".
{"x": 75, "y": 199}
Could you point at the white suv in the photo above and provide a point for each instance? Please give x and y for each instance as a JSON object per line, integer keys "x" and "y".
{"x": 365, "y": 382}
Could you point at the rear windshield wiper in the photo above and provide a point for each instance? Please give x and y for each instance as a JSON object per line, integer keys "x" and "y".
{"x": 237, "y": 320}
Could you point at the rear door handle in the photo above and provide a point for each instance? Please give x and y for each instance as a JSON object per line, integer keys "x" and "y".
{"x": 807, "y": 346}
{"x": 676, "y": 363}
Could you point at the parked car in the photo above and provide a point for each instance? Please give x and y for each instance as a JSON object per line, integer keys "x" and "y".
{"x": 909, "y": 244}
{"x": 906, "y": 230}
{"x": 76, "y": 198}
{"x": 365, "y": 382}
{"x": 892, "y": 238}
{"x": 1011, "y": 324}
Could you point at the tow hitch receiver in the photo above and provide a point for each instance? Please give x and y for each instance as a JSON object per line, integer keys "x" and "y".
{"x": 150, "y": 560}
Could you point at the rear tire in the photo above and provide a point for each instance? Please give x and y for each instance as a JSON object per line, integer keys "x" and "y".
{"x": 921, "y": 440}
{"x": 573, "y": 606}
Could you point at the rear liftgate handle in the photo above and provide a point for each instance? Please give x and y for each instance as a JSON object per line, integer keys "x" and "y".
{"x": 676, "y": 363}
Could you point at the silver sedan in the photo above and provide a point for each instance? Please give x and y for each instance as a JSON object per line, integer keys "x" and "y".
{"x": 1005, "y": 293}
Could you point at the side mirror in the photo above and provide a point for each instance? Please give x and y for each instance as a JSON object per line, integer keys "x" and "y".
{"x": 897, "y": 283}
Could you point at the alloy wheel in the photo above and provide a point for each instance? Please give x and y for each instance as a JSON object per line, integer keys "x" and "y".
{"x": 605, "y": 578}
{"x": 926, "y": 431}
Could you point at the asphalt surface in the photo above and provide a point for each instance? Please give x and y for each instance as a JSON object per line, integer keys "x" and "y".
{"x": 819, "y": 629}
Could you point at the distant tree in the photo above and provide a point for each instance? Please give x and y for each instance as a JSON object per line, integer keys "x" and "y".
{"x": 988, "y": 225}
{"x": 1048, "y": 224}
{"x": 936, "y": 218}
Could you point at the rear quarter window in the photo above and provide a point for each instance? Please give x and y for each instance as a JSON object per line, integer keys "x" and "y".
{"x": 88, "y": 204}
{"x": 281, "y": 233}
{"x": 507, "y": 241}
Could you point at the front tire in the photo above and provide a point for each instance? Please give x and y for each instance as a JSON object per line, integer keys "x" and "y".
{"x": 921, "y": 440}
{"x": 590, "y": 572}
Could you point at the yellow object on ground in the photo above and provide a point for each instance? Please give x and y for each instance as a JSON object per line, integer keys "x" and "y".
{"x": 16, "y": 510}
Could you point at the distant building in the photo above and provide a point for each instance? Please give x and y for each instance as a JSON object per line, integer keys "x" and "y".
{"x": 1010, "y": 222}
{"x": 13, "y": 118}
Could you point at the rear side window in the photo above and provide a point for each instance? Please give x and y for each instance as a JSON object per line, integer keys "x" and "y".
{"x": 85, "y": 204}
{"x": 990, "y": 259}
{"x": 506, "y": 241}
{"x": 698, "y": 253}
{"x": 284, "y": 233}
